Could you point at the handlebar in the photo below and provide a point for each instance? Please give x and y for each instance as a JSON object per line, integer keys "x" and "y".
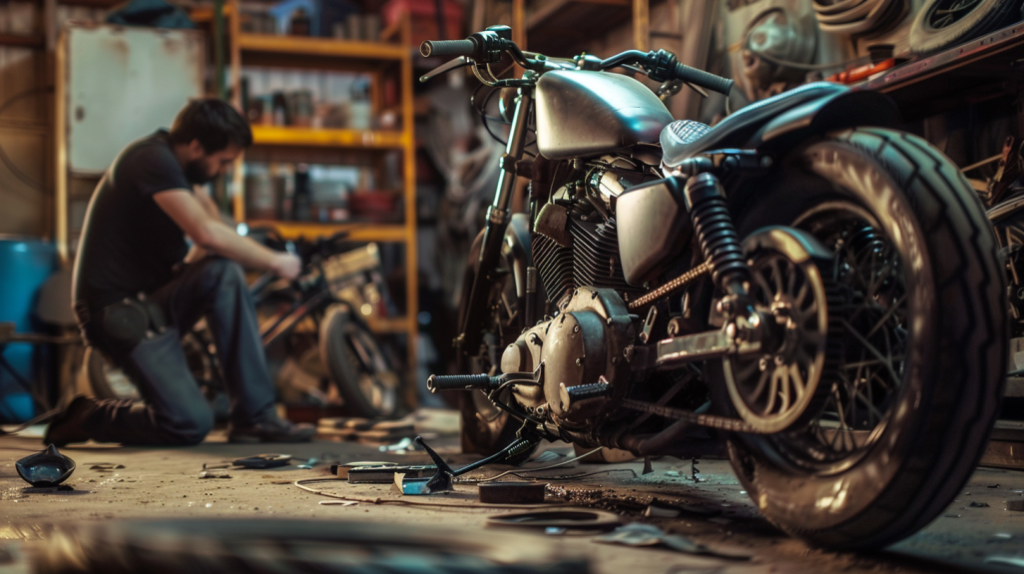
{"x": 703, "y": 79}
{"x": 466, "y": 47}
{"x": 488, "y": 46}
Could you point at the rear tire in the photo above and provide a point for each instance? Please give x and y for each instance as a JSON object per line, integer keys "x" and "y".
{"x": 943, "y": 393}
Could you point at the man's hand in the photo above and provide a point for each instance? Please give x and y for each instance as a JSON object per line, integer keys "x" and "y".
{"x": 286, "y": 266}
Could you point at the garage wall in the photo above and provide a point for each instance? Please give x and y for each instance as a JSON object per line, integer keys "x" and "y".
{"x": 22, "y": 126}
{"x": 26, "y": 180}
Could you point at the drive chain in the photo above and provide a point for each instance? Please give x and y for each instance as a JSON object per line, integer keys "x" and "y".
{"x": 713, "y": 421}
{"x": 677, "y": 283}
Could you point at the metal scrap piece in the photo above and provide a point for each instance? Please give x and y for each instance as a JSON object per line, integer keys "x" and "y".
{"x": 637, "y": 534}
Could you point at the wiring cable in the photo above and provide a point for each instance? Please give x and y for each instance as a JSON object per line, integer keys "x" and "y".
{"x": 531, "y": 470}
{"x": 800, "y": 66}
{"x": 37, "y": 420}
{"x": 479, "y": 506}
{"x": 482, "y": 109}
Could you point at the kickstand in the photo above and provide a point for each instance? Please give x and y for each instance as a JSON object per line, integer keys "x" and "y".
{"x": 443, "y": 480}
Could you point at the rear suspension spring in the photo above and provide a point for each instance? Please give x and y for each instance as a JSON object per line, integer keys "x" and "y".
{"x": 716, "y": 233}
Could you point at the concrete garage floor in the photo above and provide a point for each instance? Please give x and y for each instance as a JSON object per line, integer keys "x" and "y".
{"x": 163, "y": 483}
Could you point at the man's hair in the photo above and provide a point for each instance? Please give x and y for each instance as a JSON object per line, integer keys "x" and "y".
{"x": 215, "y": 123}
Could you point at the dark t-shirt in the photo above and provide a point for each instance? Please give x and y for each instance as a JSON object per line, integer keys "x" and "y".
{"x": 129, "y": 245}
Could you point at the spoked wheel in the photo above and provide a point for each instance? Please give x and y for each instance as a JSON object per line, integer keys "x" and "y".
{"x": 917, "y": 317}
{"x": 358, "y": 367}
{"x": 792, "y": 283}
{"x": 874, "y": 336}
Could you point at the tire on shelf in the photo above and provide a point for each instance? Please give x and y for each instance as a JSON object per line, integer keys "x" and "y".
{"x": 936, "y": 28}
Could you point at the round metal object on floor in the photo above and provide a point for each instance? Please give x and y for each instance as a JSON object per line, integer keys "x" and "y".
{"x": 567, "y": 518}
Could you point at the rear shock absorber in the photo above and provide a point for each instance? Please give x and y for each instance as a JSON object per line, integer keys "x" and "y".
{"x": 716, "y": 233}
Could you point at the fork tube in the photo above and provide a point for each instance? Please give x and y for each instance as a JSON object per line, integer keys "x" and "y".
{"x": 494, "y": 230}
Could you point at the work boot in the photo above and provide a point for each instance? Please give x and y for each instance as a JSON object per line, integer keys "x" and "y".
{"x": 272, "y": 430}
{"x": 70, "y": 424}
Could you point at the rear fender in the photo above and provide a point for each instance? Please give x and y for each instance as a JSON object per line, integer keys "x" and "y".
{"x": 844, "y": 110}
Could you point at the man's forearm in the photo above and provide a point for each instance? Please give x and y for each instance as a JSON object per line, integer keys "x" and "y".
{"x": 225, "y": 242}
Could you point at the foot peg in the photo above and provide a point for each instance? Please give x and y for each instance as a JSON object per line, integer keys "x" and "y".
{"x": 475, "y": 382}
{"x": 575, "y": 394}
{"x": 462, "y": 383}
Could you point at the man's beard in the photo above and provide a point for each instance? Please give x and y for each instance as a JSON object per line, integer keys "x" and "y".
{"x": 196, "y": 174}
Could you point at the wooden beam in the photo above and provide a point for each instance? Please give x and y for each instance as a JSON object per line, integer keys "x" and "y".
{"x": 409, "y": 177}
{"x": 642, "y": 25}
{"x": 519, "y": 23}
{"x": 234, "y": 29}
{"x": 60, "y": 200}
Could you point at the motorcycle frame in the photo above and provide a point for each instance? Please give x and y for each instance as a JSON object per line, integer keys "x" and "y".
{"x": 498, "y": 216}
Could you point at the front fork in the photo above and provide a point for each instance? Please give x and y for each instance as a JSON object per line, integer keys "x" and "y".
{"x": 470, "y": 331}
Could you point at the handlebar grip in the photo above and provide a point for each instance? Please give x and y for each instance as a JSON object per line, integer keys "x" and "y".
{"x": 448, "y": 48}
{"x": 704, "y": 79}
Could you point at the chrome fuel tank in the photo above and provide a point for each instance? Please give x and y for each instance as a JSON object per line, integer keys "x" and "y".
{"x": 582, "y": 114}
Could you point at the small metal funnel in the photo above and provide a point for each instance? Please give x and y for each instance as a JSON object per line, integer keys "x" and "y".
{"x": 45, "y": 469}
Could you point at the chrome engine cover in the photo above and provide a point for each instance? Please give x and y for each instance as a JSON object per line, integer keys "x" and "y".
{"x": 583, "y": 343}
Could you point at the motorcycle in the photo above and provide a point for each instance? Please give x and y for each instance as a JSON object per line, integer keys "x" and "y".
{"x": 314, "y": 319}
{"x": 800, "y": 286}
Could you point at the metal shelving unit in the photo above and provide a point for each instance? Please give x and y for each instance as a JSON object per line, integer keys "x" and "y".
{"x": 376, "y": 59}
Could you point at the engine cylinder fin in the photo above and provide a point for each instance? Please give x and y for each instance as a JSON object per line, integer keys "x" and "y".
{"x": 596, "y": 254}
{"x": 554, "y": 265}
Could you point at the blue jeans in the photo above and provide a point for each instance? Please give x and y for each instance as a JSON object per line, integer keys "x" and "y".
{"x": 174, "y": 411}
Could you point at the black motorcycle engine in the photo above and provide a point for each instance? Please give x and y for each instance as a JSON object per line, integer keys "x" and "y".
{"x": 575, "y": 244}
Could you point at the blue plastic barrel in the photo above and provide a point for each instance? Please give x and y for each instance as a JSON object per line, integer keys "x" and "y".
{"x": 25, "y": 264}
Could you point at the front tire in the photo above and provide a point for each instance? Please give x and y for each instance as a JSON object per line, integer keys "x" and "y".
{"x": 357, "y": 366}
{"x": 484, "y": 428}
{"x": 938, "y": 302}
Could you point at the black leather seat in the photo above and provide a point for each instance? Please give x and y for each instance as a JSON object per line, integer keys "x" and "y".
{"x": 683, "y": 139}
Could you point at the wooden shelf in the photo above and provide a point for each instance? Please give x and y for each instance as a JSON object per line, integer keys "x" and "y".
{"x": 384, "y": 233}
{"x": 314, "y": 137}
{"x": 386, "y": 65}
{"x": 91, "y": 3}
{"x": 22, "y": 41}
{"x": 329, "y": 47}
{"x": 390, "y": 325}
{"x": 971, "y": 72}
